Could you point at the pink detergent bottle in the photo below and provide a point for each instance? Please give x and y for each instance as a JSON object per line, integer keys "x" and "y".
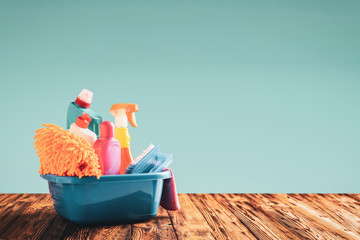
{"x": 108, "y": 149}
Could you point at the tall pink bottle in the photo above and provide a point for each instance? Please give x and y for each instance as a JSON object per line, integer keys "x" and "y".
{"x": 108, "y": 149}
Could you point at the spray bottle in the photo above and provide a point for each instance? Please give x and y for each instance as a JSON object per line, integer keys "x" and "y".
{"x": 124, "y": 112}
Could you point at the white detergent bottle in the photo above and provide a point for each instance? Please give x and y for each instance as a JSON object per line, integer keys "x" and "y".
{"x": 80, "y": 128}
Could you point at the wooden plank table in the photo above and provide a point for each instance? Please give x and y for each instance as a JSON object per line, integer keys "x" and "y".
{"x": 203, "y": 216}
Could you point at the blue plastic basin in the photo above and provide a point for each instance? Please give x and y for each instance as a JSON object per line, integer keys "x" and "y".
{"x": 112, "y": 199}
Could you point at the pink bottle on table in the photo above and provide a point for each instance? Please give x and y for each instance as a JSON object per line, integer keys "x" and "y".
{"x": 108, "y": 149}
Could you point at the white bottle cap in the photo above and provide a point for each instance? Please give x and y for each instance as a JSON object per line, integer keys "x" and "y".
{"x": 84, "y": 99}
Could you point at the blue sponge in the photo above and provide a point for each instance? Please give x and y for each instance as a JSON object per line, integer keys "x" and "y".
{"x": 154, "y": 161}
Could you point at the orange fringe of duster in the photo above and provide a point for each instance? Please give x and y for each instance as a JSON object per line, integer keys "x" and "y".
{"x": 62, "y": 153}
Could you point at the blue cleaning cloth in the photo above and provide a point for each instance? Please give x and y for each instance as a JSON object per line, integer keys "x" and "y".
{"x": 154, "y": 161}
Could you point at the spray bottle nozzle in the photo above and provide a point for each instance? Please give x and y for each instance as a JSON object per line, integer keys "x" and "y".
{"x": 124, "y": 112}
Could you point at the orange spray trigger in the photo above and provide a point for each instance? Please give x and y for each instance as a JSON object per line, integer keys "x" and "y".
{"x": 121, "y": 111}
{"x": 131, "y": 118}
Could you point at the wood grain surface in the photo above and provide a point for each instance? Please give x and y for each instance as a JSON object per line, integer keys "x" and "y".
{"x": 202, "y": 216}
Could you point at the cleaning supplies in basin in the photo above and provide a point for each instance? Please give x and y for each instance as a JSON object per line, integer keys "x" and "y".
{"x": 92, "y": 198}
{"x": 80, "y": 105}
{"x": 108, "y": 149}
{"x": 62, "y": 153}
{"x": 122, "y": 113}
{"x": 150, "y": 161}
{"x": 80, "y": 128}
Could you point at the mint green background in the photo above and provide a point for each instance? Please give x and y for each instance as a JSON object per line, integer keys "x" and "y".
{"x": 249, "y": 96}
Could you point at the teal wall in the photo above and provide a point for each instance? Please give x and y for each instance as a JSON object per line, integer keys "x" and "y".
{"x": 249, "y": 96}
